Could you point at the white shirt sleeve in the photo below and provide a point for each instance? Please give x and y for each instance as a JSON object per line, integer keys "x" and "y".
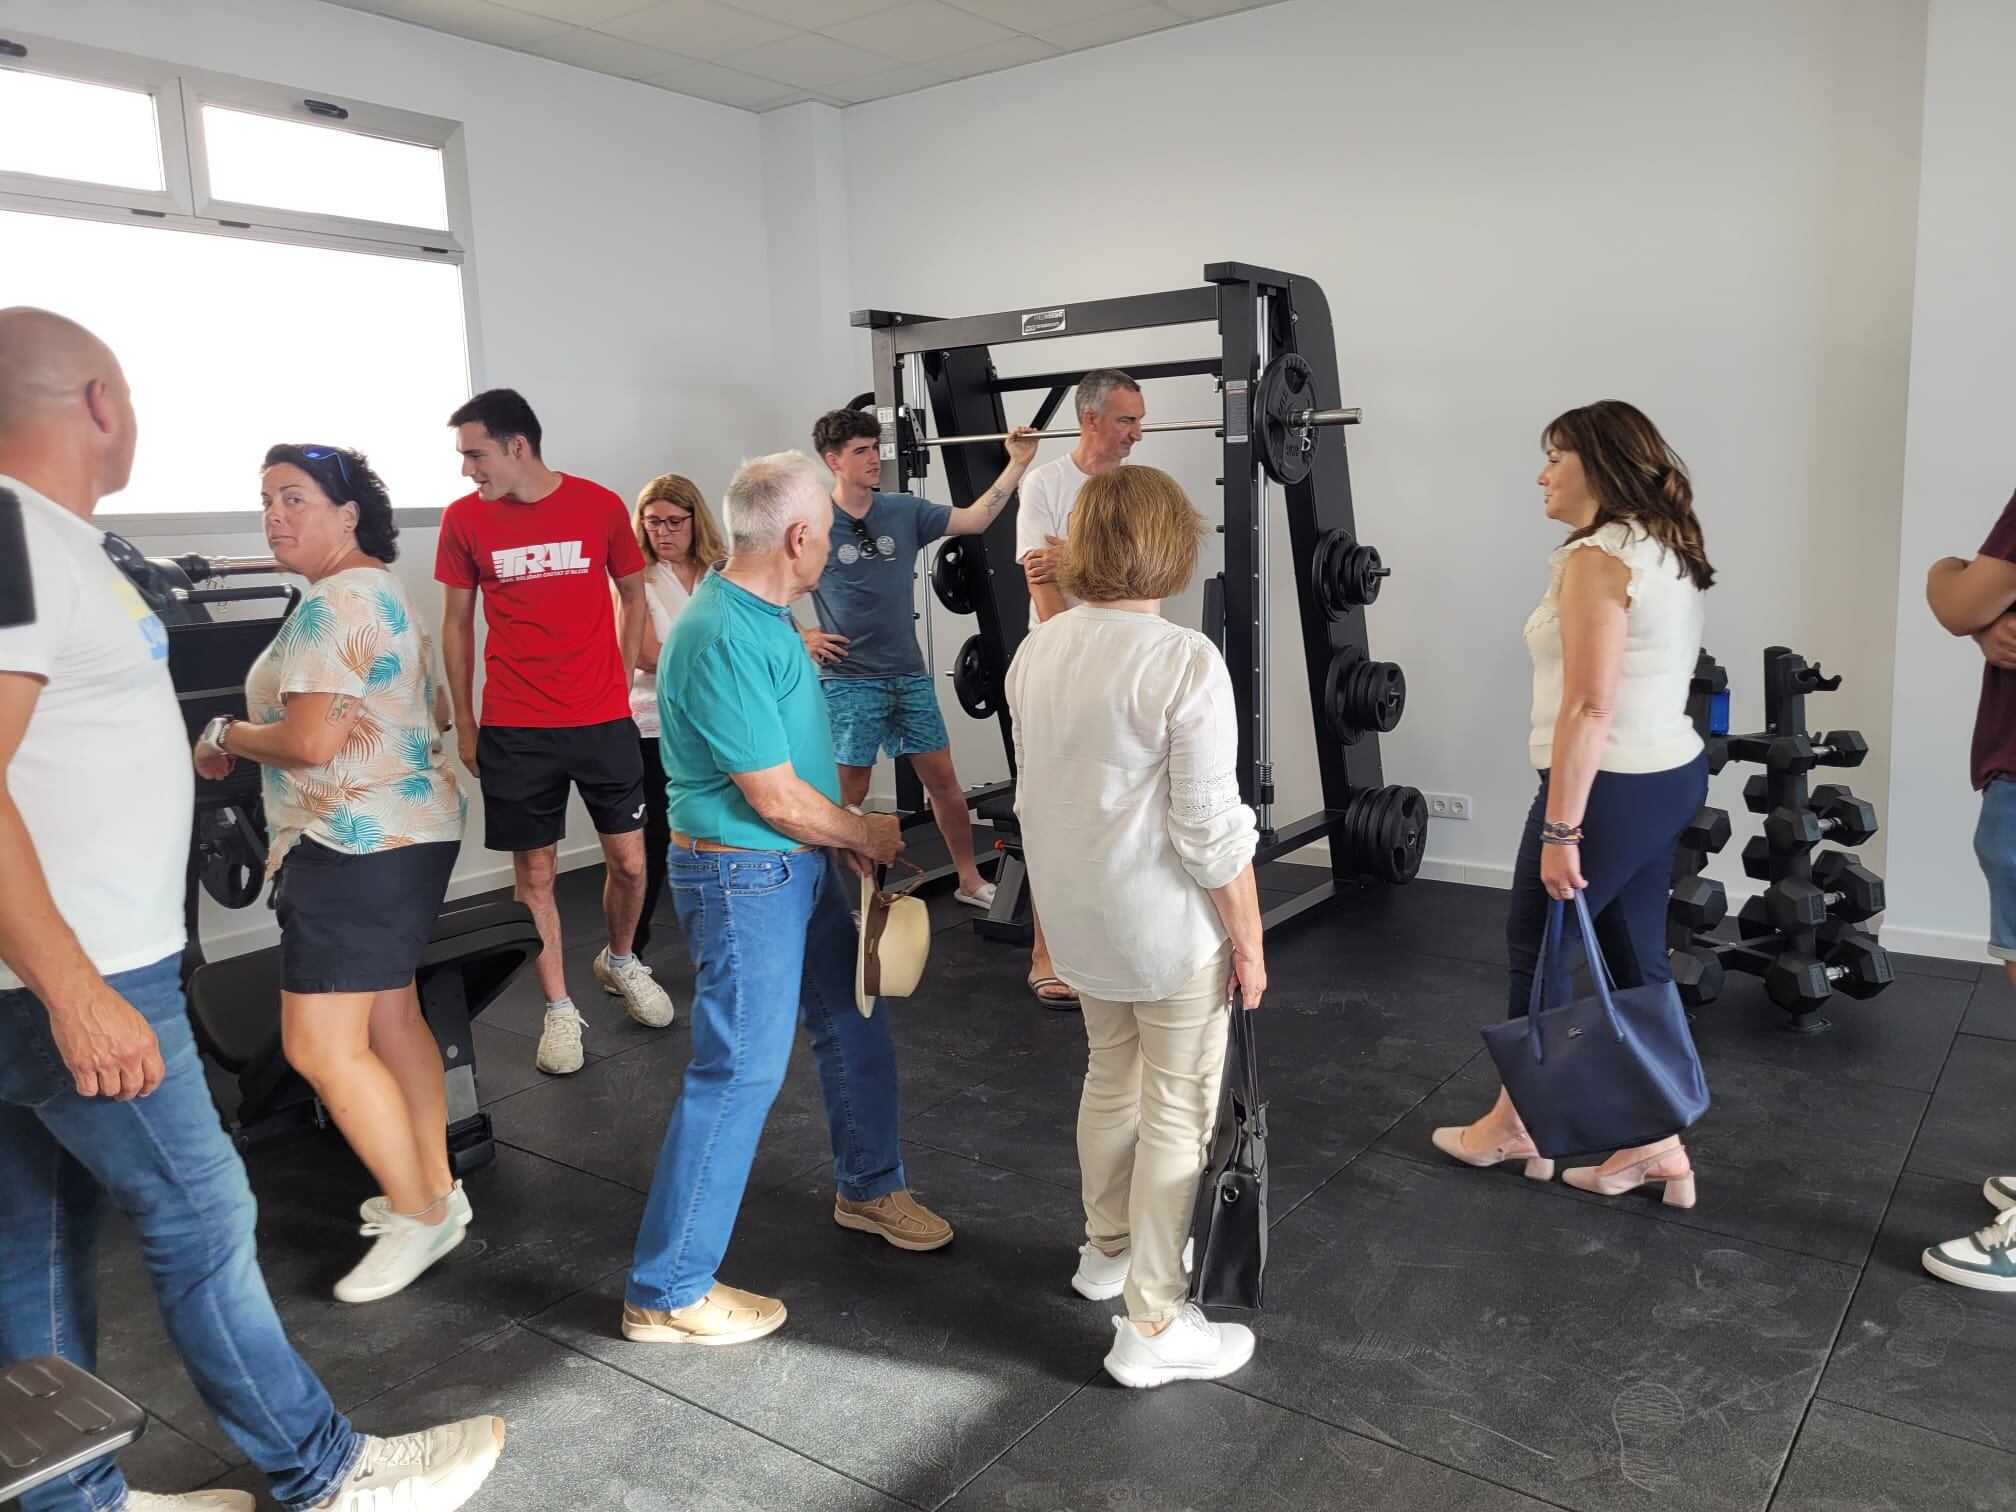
{"x": 1212, "y": 830}
{"x": 1034, "y": 514}
{"x": 32, "y": 648}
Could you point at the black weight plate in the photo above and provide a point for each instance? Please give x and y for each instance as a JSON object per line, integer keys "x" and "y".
{"x": 972, "y": 684}
{"x": 1287, "y": 451}
{"x": 952, "y": 577}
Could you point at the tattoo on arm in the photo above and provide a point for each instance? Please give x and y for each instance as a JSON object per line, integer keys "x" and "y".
{"x": 993, "y": 499}
{"x": 340, "y": 707}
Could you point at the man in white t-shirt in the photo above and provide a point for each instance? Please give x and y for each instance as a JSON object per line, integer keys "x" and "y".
{"x": 102, "y": 1095}
{"x": 1110, "y": 411}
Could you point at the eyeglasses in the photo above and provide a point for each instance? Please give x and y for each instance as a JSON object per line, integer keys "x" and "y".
{"x": 865, "y": 540}
{"x": 323, "y": 454}
{"x": 666, "y": 522}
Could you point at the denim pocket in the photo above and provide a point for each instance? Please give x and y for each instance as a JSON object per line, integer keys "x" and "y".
{"x": 753, "y": 876}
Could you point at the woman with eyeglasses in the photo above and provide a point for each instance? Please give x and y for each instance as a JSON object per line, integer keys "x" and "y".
{"x": 681, "y": 545}
{"x": 345, "y": 715}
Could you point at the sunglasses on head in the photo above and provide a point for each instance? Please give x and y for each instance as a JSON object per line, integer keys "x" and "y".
{"x": 323, "y": 454}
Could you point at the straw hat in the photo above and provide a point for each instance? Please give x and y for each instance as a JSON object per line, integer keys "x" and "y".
{"x": 895, "y": 942}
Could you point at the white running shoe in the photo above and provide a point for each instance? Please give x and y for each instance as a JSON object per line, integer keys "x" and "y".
{"x": 377, "y": 1209}
{"x": 404, "y": 1249}
{"x": 189, "y": 1501}
{"x": 643, "y": 999}
{"x": 1191, "y": 1348}
{"x": 1101, "y": 1276}
{"x": 435, "y": 1470}
{"x": 560, "y": 1042}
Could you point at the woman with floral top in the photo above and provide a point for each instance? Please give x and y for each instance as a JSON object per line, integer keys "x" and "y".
{"x": 344, "y": 714}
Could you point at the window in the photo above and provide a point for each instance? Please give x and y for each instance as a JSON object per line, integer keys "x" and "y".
{"x": 270, "y": 265}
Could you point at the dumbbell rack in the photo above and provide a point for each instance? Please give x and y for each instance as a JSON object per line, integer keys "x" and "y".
{"x": 1802, "y": 936}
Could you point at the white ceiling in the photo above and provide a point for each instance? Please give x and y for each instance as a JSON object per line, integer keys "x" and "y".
{"x": 765, "y": 54}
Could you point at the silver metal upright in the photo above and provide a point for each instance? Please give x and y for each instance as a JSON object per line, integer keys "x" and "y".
{"x": 1263, "y": 508}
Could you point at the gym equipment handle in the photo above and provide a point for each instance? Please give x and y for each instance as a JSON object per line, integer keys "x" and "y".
{"x": 1296, "y": 419}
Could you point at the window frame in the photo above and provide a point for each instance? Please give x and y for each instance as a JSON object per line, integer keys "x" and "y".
{"x": 185, "y": 203}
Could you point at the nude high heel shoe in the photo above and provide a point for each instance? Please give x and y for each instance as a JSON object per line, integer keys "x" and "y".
{"x": 1537, "y": 1168}
{"x": 1679, "y": 1188}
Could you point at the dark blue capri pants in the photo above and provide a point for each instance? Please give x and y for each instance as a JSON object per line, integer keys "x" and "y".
{"x": 1631, "y": 827}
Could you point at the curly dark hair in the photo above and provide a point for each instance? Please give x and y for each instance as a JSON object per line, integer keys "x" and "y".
{"x": 836, "y": 428}
{"x": 1635, "y": 476}
{"x": 346, "y": 476}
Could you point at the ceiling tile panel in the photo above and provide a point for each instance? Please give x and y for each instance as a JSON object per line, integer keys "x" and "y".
{"x": 810, "y": 15}
{"x": 920, "y": 31}
{"x": 880, "y": 86}
{"x": 696, "y": 28}
{"x": 994, "y": 57}
{"x": 575, "y": 12}
{"x": 1097, "y": 31}
{"x": 810, "y": 61}
{"x": 610, "y": 55}
{"x": 481, "y": 21}
{"x": 1034, "y": 15}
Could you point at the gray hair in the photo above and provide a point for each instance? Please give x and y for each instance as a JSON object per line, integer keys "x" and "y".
{"x": 1097, "y": 386}
{"x": 767, "y": 496}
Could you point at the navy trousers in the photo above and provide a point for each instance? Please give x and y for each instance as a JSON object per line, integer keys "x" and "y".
{"x": 1631, "y": 828}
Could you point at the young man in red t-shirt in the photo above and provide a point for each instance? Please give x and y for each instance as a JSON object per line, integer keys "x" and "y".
{"x": 1975, "y": 599}
{"x": 541, "y": 548}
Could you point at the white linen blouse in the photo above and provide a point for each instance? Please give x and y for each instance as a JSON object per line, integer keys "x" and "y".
{"x": 664, "y": 597}
{"x": 1126, "y": 752}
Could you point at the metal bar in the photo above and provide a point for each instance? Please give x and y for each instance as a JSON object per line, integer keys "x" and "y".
{"x": 199, "y": 567}
{"x": 1263, "y": 504}
{"x": 1197, "y": 306}
{"x": 1295, "y": 418}
{"x": 1190, "y": 367}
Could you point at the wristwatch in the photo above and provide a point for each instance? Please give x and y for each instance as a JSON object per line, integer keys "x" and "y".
{"x": 214, "y": 732}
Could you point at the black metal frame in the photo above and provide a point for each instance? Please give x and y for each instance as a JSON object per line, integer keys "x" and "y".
{"x": 1259, "y": 313}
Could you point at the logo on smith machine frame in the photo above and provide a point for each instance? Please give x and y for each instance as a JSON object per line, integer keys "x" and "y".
{"x": 1043, "y": 322}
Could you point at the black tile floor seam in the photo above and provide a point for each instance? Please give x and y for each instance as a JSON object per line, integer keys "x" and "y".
{"x": 1020, "y": 1440}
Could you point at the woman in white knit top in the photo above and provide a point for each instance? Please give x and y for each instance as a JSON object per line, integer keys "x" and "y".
{"x": 1126, "y": 748}
{"x": 1613, "y": 644}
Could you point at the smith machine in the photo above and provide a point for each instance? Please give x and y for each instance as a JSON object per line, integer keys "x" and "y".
{"x": 1274, "y": 366}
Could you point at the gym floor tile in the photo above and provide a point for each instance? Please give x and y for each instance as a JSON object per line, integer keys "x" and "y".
{"x": 521, "y": 1007}
{"x": 164, "y": 1461}
{"x": 503, "y": 1062}
{"x": 1202, "y": 1448}
{"x": 1991, "y": 1012}
{"x": 541, "y": 1232}
{"x": 1938, "y": 966}
{"x": 1849, "y": 1461}
{"x": 1377, "y": 1011}
{"x": 1921, "y": 1350}
{"x": 1803, "y": 1162}
{"x": 909, "y": 1372}
{"x": 1899, "y": 1037}
{"x": 1432, "y": 918}
{"x": 1597, "y": 1361}
{"x": 1970, "y": 1129}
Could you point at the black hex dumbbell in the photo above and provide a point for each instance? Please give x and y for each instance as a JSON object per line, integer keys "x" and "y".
{"x": 1841, "y": 886}
{"x": 1699, "y": 902}
{"x": 1698, "y": 974}
{"x": 1757, "y": 794}
{"x": 1707, "y": 831}
{"x": 1757, "y": 858}
{"x": 1801, "y": 753}
{"x": 1849, "y": 947}
{"x": 1844, "y": 818}
{"x": 1753, "y": 921}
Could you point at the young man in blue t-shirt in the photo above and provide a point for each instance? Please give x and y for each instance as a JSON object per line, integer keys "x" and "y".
{"x": 879, "y": 695}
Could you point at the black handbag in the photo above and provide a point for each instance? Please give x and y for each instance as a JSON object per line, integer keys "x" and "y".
{"x": 1229, "y": 1226}
{"x": 1607, "y": 1072}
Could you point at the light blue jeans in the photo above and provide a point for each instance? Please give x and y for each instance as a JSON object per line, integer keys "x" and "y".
{"x": 165, "y": 1160}
{"x": 772, "y": 944}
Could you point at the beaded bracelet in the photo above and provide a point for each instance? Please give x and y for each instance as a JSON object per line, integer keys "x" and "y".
{"x": 1560, "y": 834}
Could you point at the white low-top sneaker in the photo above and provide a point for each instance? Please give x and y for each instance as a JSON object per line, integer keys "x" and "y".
{"x": 2000, "y": 1192}
{"x": 643, "y": 999}
{"x": 1985, "y": 1260}
{"x": 560, "y": 1042}
{"x": 377, "y": 1209}
{"x": 190, "y": 1501}
{"x": 402, "y": 1251}
{"x": 1191, "y": 1348}
{"x": 1101, "y": 1276}
{"x": 435, "y": 1470}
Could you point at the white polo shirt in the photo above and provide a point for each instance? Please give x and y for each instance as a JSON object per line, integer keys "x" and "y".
{"x": 102, "y": 777}
{"x": 1043, "y": 508}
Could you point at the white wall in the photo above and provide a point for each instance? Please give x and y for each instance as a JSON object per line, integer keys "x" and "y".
{"x": 1705, "y": 208}
{"x": 1960, "y": 459}
{"x": 619, "y": 261}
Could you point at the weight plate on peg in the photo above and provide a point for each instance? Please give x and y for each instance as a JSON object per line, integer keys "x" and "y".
{"x": 952, "y": 576}
{"x": 972, "y": 682}
{"x": 1287, "y": 389}
{"x": 1360, "y": 694}
{"x": 1345, "y": 574}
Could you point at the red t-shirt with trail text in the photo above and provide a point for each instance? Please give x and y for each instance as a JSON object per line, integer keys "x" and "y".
{"x": 552, "y": 660}
{"x": 1995, "y": 720}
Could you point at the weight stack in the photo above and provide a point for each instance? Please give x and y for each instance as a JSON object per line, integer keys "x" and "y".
{"x": 1803, "y": 935}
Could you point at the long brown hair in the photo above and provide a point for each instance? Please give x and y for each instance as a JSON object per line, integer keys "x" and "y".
{"x": 669, "y": 488}
{"x": 1635, "y": 477}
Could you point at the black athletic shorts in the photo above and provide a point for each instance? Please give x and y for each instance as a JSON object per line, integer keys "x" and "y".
{"x": 525, "y": 774}
{"x": 358, "y": 923}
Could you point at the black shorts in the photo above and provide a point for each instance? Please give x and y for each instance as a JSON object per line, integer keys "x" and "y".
{"x": 525, "y": 773}
{"x": 358, "y": 923}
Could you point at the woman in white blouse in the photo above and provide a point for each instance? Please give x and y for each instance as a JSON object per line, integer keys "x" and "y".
{"x": 1126, "y": 743}
{"x": 1613, "y": 644}
{"x": 681, "y": 543}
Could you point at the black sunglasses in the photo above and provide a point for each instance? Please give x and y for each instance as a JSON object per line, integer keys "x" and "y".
{"x": 868, "y": 548}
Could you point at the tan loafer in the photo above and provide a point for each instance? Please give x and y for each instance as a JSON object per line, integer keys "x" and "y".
{"x": 723, "y": 1316}
{"x": 900, "y": 1218}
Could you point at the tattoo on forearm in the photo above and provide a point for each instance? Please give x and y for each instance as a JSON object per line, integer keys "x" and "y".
{"x": 340, "y": 707}
{"x": 993, "y": 499}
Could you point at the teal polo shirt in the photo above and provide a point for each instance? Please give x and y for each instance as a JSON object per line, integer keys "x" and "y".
{"x": 737, "y": 692}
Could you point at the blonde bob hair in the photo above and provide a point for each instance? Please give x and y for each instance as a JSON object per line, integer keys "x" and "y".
{"x": 669, "y": 488}
{"x": 1133, "y": 535}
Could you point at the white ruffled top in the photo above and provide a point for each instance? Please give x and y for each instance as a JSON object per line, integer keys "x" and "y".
{"x": 1126, "y": 760}
{"x": 1649, "y": 730}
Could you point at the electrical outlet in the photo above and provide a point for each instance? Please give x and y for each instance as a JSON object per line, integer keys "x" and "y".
{"x": 1447, "y": 805}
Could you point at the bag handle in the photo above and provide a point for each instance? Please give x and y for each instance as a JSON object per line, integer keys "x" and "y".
{"x": 1599, "y": 970}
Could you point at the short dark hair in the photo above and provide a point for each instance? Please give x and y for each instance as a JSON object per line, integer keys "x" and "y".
{"x": 504, "y": 414}
{"x": 346, "y": 476}
{"x": 836, "y": 428}
{"x": 1097, "y": 386}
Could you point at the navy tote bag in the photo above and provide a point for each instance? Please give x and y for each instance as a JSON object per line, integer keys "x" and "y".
{"x": 1601, "y": 1073}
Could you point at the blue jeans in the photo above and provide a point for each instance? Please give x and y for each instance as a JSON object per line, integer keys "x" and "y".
{"x": 773, "y": 946}
{"x": 1632, "y": 824}
{"x": 164, "y": 1159}
{"x": 1995, "y": 849}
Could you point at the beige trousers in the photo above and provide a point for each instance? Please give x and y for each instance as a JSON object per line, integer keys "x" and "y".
{"x": 1146, "y": 1116}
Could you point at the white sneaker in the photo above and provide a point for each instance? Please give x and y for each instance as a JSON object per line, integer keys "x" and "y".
{"x": 405, "y": 1247}
{"x": 1191, "y": 1348}
{"x": 377, "y": 1209}
{"x": 643, "y": 999}
{"x": 1101, "y": 1276}
{"x": 980, "y": 897}
{"x": 560, "y": 1042}
{"x": 1985, "y": 1260}
{"x": 2000, "y": 1192}
{"x": 189, "y": 1501}
{"x": 435, "y": 1470}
